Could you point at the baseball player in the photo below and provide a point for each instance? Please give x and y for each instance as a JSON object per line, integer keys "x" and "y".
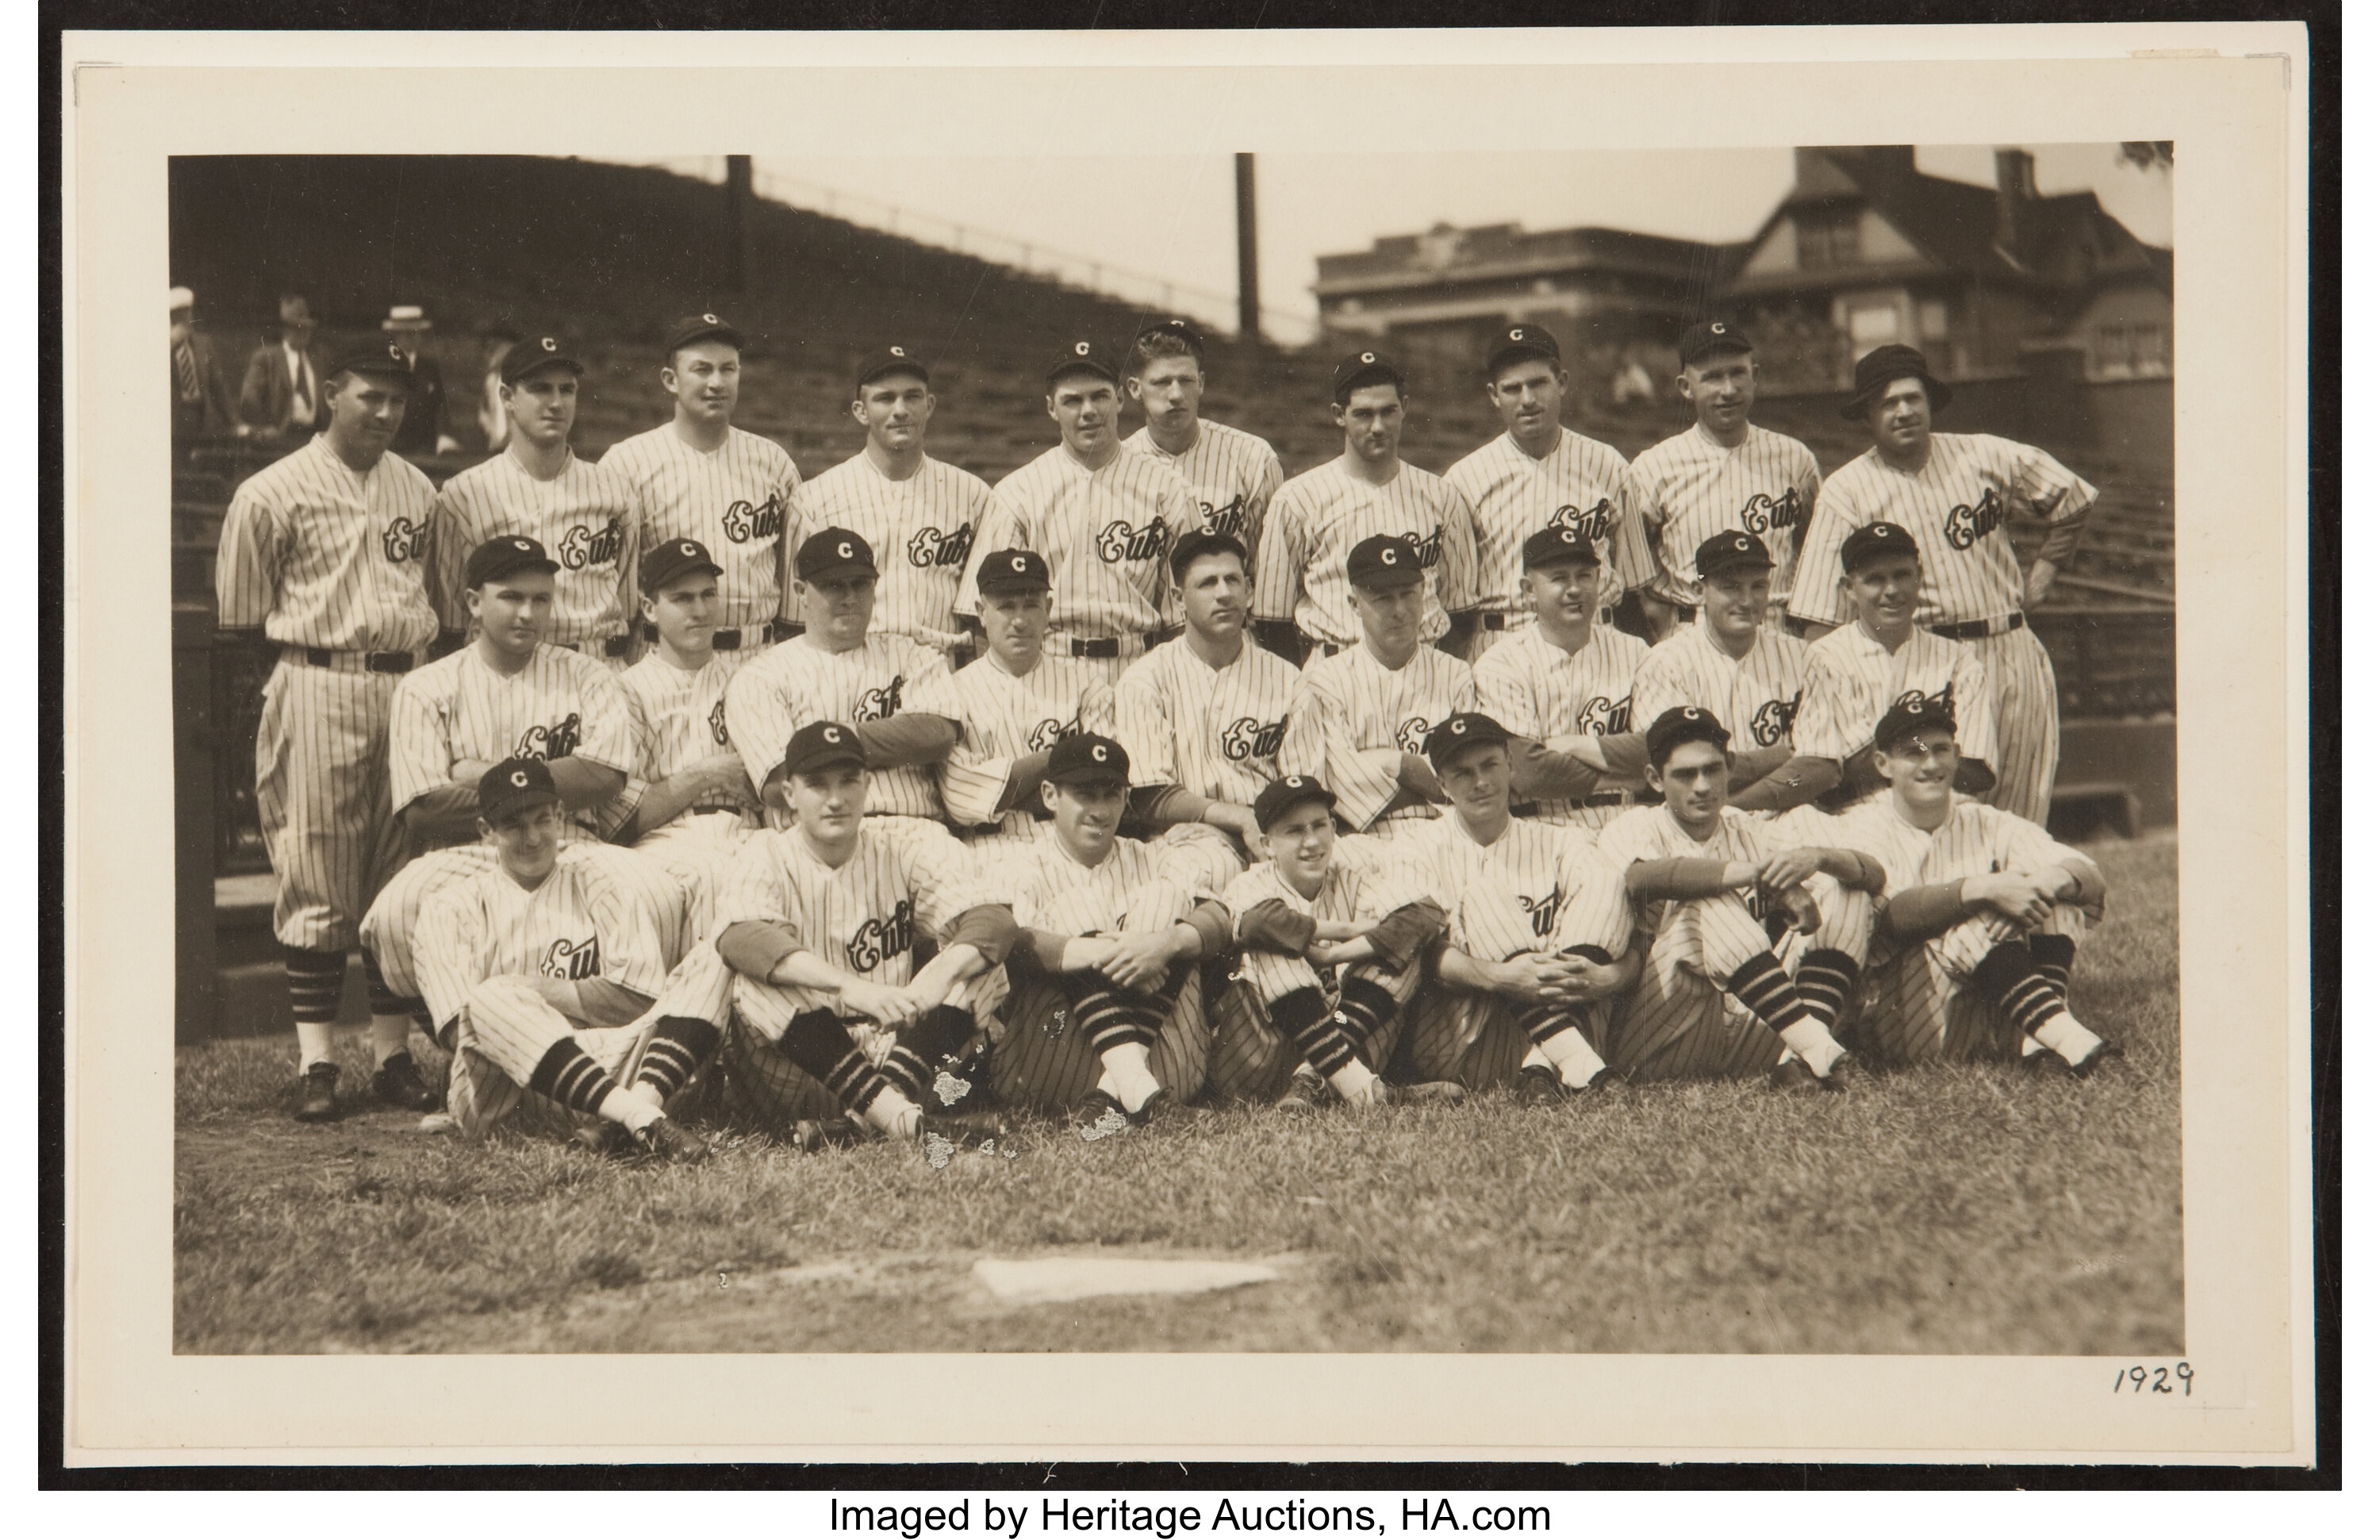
{"x": 1883, "y": 656}
{"x": 1106, "y": 1017}
{"x": 700, "y": 477}
{"x": 1981, "y": 913}
{"x": 589, "y": 516}
{"x": 1953, "y": 491}
{"x": 1540, "y": 475}
{"x": 1331, "y": 955}
{"x": 1232, "y": 474}
{"x": 1721, "y": 474}
{"x": 923, "y": 513}
{"x": 1320, "y": 518}
{"x": 1103, "y": 519}
{"x": 819, "y": 923}
{"x": 321, "y": 559}
{"x": 540, "y": 971}
{"x": 1715, "y": 998}
{"x": 1359, "y": 719}
{"x": 1538, "y": 934}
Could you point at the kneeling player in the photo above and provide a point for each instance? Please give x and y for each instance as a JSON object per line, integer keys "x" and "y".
{"x": 1981, "y": 911}
{"x": 1302, "y": 917}
{"x": 1716, "y": 998}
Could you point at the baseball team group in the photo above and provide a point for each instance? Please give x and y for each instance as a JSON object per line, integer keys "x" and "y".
{"x": 677, "y": 789}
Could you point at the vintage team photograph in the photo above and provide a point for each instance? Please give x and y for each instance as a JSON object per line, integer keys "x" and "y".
{"x": 1570, "y": 755}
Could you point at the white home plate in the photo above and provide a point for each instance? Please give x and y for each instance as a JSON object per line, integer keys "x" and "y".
{"x": 1076, "y": 1278}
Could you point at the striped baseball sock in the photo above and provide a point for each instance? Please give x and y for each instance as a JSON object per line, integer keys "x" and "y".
{"x": 567, "y": 1075}
{"x": 1305, "y": 1015}
{"x": 1762, "y": 986}
{"x": 315, "y": 979}
{"x": 821, "y": 1045}
{"x": 2053, "y": 957}
{"x": 1370, "y": 1012}
{"x": 1825, "y": 982}
{"x": 1555, "y": 1031}
{"x": 922, "y": 1048}
{"x": 678, "y": 1047}
{"x": 1120, "y": 1029}
{"x": 2028, "y": 1004}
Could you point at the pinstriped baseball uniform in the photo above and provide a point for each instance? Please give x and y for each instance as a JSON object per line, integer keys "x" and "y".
{"x": 1352, "y": 720}
{"x": 1919, "y": 1006}
{"x": 319, "y": 556}
{"x": 1848, "y": 682}
{"x": 1003, "y": 718}
{"x": 589, "y": 518}
{"x": 1690, "y": 486}
{"x": 560, "y": 704}
{"x": 921, "y": 529}
{"x": 1360, "y": 886}
{"x": 734, "y": 499}
{"x": 1231, "y": 475}
{"x": 1955, "y": 508}
{"x": 1317, "y": 517}
{"x": 1582, "y": 485}
{"x": 1105, "y": 533}
{"x": 1755, "y": 697}
{"x": 798, "y": 682}
{"x": 1538, "y": 691}
{"x": 679, "y": 718}
{"x": 1214, "y": 731}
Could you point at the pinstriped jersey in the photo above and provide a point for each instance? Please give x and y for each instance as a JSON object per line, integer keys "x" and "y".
{"x": 561, "y": 704}
{"x": 589, "y": 518}
{"x": 1689, "y": 488}
{"x": 1582, "y": 485}
{"x": 320, "y": 556}
{"x": 1318, "y": 517}
{"x": 1003, "y": 718}
{"x": 922, "y": 530}
{"x": 1655, "y": 834}
{"x": 1849, "y": 681}
{"x": 1538, "y": 691}
{"x": 1955, "y": 507}
{"x": 1105, "y": 533}
{"x": 1976, "y": 840}
{"x": 1355, "y": 887}
{"x": 734, "y": 499}
{"x": 1231, "y": 475}
{"x": 798, "y": 682}
{"x": 679, "y": 717}
{"x": 1214, "y": 731}
{"x": 578, "y": 924}
{"x": 1046, "y": 889}
{"x": 1755, "y": 697}
{"x": 1353, "y": 718}
{"x": 863, "y": 916}
{"x": 1507, "y": 894}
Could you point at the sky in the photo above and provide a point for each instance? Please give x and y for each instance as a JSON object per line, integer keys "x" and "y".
{"x": 1171, "y": 217}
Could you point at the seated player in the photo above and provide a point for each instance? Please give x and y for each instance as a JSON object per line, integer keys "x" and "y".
{"x": 1359, "y": 716}
{"x": 1538, "y": 940}
{"x": 1981, "y": 913}
{"x": 541, "y": 972}
{"x": 1716, "y": 1000}
{"x": 818, "y": 923}
{"x": 1853, "y": 673}
{"x": 1105, "y": 1016}
{"x": 1203, "y": 715}
{"x": 1330, "y": 953}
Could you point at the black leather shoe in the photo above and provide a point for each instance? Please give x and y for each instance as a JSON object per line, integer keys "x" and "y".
{"x": 679, "y": 1144}
{"x": 1538, "y": 1086}
{"x": 2102, "y": 1054}
{"x": 317, "y": 1095}
{"x": 399, "y": 1084}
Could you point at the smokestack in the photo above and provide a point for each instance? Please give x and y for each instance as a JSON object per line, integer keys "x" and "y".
{"x": 737, "y": 243}
{"x": 2017, "y": 189}
{"x": 1245, "y": 176}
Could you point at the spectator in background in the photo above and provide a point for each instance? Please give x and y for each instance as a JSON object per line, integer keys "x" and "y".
{"x": 424, "y": 429}
{"x": 1631, "y": 385}
{"x": 495, "y": 423}
{"x": 282, "y": 392}
{"x": 203, "y": 405}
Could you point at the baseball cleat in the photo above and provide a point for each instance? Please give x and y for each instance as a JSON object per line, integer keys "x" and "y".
{"x": 1307, "y": 1093}
{"x": 1161, "y": 1107}
{"x": 1098, "y": 1115}
{"x": 601, "y": 1137}
{"x": 399, "y": 1084}
{"x": 1538, "y": 1086}
{"x": 673, "y": 1141}
{"x": 1796, "y": 1077}
{"x": 317, "y": 1095}
{"x": 2102, "y": 1053}
{"x": 812, "y": 1135}
{"x": 1841, "y": 1072}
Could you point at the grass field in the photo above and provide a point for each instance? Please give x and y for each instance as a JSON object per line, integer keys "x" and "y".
{"x": 1955, "y": 1209}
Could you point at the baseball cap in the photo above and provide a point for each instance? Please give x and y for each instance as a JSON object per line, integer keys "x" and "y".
{"x": 1460, "y": 732}
{"x": 1079, "y": 356}
{"x": 1189, "y": 332}
{"x": 831, "y": 552}
{"x": 1730, "y": 548}
{"x": 673, "y": 559}
{"x": 1383, "y": 562}
{"x": 1557, "y": 542}
{"x": 1522, "y": 341}
{"x": 1868, "y": 542}
{"x": 821, "y": 745}
{"x": 373, "y": 358}
{"x": 530, "y": 354}
{"x": 693, "y": 329}
{"x": 503, "y": 556}
{"x": 1681, "y": 724}
{"x": 1086, "y": 756}
{"x": 515, "y": 784}
{"x": 1912, "y": 714}
{"x": 1203, "y": 542}
{"x": 882, "y": 361}
{"x": 1370, "y": 367}
{"x": 1013, "y": 572}
{"x": 1290, "y": 792}
{"x": 1707, "y": 336}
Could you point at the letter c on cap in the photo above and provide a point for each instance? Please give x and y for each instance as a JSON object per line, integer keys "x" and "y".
{"x": 1017, "y": 563}
{"x": 1082, "y": 350}
{"x": 1369, "y": 358}
{"x": 710, "y": 320}
{"x": 834, "y": 734}
{"x": 842, "y": 549}
{"x": 899, "y": 353}
{"x": 1458, "y": 727}
{"x": 1099, "y": 752}
{"x": 521, "y": 777}
{"x": 1514, "y": 333}
{"x": 546, "y": 342}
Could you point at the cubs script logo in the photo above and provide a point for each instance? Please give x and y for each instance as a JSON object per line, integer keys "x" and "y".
{"x": 1593, "y": 523}
{"x": 1229, "y": 520}
{"x": 1912, "y": 699}
{"x": 1765, "y": 513}
{"x": 1413, "y": 734}
{"x": 1121, "y": 542}
{"x": 403, "y": 541}
{"x": 743, "y": 522}
{"x": 563, "y": 960}
{"x": 877, "y": 939}
{"x": 1425, "y": 551}
{"x": 1603, "y": 714}
{"x": 1541, "y": 912}
{"x": 1047, "y": 730}
{"x": 1773, "y": 721}
{"x": 1964, "y": 525}
{"x": 719, "y": 719}
{"x": 583, "y": 547}
{"x": 1250, "y": 739}
{"x": 877, "y": 705}
{"x": 931, "y": 547}
{"x": 558, "y": 742}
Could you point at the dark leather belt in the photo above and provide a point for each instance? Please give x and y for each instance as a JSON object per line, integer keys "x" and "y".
{"x": 374, "y": 663}
{"x": 1495, "y": 620}
{"x": 1328, "y": 650}
{"x": 730, "y": 641}
{"x": 1970, "y": 630}
{"x": 1097, "y": 646}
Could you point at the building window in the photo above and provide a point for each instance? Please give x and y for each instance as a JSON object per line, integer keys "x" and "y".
{"x": 1874, "y": 324}
{"x": 1933, "y": 320}
{"x": 2131, "y": 350}
{"x": 1823, "y": 240}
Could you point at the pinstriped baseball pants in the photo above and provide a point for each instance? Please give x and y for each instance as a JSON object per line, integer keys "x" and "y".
{"x": 322, "y": 801}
